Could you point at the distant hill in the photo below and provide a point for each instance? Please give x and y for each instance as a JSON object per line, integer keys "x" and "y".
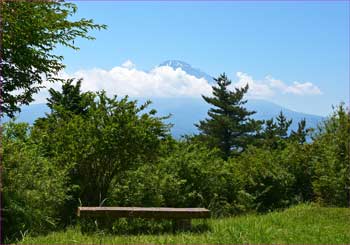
{"x": 30, "y": 113}
{"x": 188, "y": 111}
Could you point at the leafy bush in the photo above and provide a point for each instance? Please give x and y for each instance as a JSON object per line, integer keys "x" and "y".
{"x": 188, "y": 176}
{"x": 331, "y": 159}
{"x": 194, "y": 176}
{"x": 138, "y": 187}
{"x": 33, "y": 187}
{"x": 265, "y": 184}
{"x": 100, "y": 144}
{"x": 299, "y": 172}
{"x": 297, "y": 159}
{"x": 141, "y": 226}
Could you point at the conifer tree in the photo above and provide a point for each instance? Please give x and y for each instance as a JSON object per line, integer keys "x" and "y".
{"x": 71, "y": 98}
{"x": 275, "y": 133}
{"x": 269, "y": 134}
{"x": 301, "y": 133}
{"x": 66, "y": 103}
{"x": 282, "y": 125}
{"x": 228, "y": 127}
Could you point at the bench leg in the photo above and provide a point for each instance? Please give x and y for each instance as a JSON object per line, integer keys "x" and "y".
{"x": 182, "y": 224}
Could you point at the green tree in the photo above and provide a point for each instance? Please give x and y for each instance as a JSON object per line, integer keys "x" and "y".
{"x": 30, "y": 33}
{"x": 63, "y": 104}
{"x": 71, "y": 98}
{"x": 297, "y": 159}
{"x": 184, "y": 171}
{"x": 98, "y": 146}
{"x": 301, "y": 133}
{"x": 263, "y": 179}
{"x": 228, "y": 127}
{"x": 275, "y": 134}
{"x": 283, "y": 125}
{"x": 34, "y": 189}
{"x": 269, "y": 137}
{"x": 331, "y": 159}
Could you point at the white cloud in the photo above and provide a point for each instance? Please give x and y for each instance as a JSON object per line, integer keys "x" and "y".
{"x": 122, "y": 80}
{"x": 164, "y": 81}
{"x": 303, "y": 88}
{"x": 128, "y": 64}
{"x": 276, "y": 84}
{"x": 269, "y": 86}
{"x": 297, "y": 88}
{"x": 256, "y": 89}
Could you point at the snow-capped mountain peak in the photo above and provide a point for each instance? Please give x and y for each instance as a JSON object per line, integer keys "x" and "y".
{"x": 188, "y": 69}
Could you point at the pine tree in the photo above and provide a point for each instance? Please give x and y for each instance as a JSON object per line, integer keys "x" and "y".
{"x": 276, "y": 133}
{"x": 269, "y": 136}
{"x": 228, "y": 127}
{"x": 66, "y": 103}
{"x": 283, "y": 125}
{"x": 301, "y": 133}
{"x": 71, "y": 99}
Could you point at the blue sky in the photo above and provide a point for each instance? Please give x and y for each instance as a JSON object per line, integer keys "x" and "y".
{"x": 304, "y": 42}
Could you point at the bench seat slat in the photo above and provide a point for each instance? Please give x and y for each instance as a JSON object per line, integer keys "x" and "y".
{"x": 142, "y": 212}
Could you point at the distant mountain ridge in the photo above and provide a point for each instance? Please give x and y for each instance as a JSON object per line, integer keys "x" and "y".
{"x": 186, "y": 111}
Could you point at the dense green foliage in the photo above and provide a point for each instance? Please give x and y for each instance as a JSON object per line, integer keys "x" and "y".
{"x": 30, "y": 32}
{"x": 303, "y": 224}
{"x": 275, "y": 133}
{"x": 177, "y": 181}
{"x": 95, "y": 150}
{"x": 331, "y": 159}
{"x": 98, "y": 141}
{"x": 110, "y": 152}
{"x": 34, "y": 188}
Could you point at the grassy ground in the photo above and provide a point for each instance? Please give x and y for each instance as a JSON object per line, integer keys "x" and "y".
{"x": 303, "y": 224}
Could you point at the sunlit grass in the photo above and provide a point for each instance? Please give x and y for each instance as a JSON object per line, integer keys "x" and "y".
{"x": 303, "y": 224}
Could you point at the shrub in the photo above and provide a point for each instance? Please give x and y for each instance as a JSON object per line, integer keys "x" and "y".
{"x": 138, "y": 187}
{"x": 331, "y": 159}
{"x": 99, "y": 143}
{"x": 33, "y": 187}
{"x": 194, "y": 176}
{"x": 265, "y": 184}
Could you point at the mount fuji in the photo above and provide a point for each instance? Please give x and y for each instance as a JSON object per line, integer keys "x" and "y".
{"x": 175, "y": 64}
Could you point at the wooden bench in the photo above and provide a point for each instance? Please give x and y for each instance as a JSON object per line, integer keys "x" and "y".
{"x": 180, "y": 216}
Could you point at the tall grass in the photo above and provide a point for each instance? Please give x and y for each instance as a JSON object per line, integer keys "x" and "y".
{"x": 303, "y": 224}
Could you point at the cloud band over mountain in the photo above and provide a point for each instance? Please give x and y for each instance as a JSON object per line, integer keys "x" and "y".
{"x": 167, "y": 81}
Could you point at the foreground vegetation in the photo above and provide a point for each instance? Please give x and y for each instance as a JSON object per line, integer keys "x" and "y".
{"x": 303, "y": 224}
{"x": 93, "y": 149}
